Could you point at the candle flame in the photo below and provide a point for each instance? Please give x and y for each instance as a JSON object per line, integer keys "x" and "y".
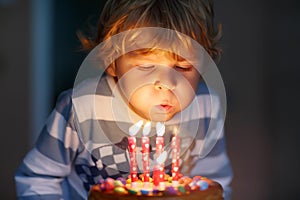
{"x": 147, "y": 128}
{"x": 175, "y": 130}
{"x": 134, "y": 129}
{"x": 160, "y": 129}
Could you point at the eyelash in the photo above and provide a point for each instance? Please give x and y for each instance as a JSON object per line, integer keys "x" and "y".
{"x": 150, "y": 67}
{"x": 145, "y": 67}
{"x": 180, "y": 68}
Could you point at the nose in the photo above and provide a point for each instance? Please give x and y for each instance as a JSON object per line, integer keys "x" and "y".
{"x": 162, "y": 87}
{"x": 166, "y": 79}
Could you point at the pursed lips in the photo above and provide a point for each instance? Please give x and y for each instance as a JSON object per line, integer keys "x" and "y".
{"x": 165, "y": 107}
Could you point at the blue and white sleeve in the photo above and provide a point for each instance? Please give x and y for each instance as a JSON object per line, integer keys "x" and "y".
{"x": 43, "y": 170}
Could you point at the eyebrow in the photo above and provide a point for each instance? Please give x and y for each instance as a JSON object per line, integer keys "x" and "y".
{"x": 150, "y": 51}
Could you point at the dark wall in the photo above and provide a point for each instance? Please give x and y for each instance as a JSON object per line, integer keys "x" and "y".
{"x": 259, "y": 66}
{"x": 15, "y": 73}
{"x": 242, "y": 67}
{"x": 14, "y": 87}
{"x": 282, "y": 72}
{"x": 70, "y": 18}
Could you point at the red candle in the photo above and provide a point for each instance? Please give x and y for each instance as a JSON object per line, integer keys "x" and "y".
{"x": 175, "y": 146}
{"x": 159, "y": 171}
{"x": 145, "y": 153}
{"x": 156, "y": 179}
{"x": 160, "y": 130}
{"x": 133, "y": 162}
{"x": 133, "y": 130}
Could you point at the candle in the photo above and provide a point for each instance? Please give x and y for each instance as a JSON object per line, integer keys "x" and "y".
{"x": 158, "y": 177}
{"x": 133, "y": 130}
{"x": 159, "y": 168}
{"x": 175, "y": 146}
{"x": 145, "y": 153}
{"x": 155, "y": 175}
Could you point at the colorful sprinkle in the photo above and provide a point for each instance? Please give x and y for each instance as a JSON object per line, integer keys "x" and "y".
{"x": 118, "y": 183}
{"x": 132, "y": 191}
{"x": 123, "y": 180}
{"x": 203, "y": 185}
{"x": 128, "y": 180}
{"x": 100, "y": 181}
{"x": 145, "y": 192}
{"x": 120, "y": 190}
{"x": 171, "y": 190}
{"x": 155, "y": 191}
{"x": 102, "y": 187}
{"x": 197, "y": 178}
{"x": 185, "y": 186}
{"x": 109, "y": 184}
{"x": 181, "y": 189}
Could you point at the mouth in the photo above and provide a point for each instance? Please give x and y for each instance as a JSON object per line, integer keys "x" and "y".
{"x": 165, "y": 107}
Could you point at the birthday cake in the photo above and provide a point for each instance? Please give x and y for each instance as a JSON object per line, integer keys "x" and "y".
{"x": 196, "y": 188}
{"x": 160, "y": 185}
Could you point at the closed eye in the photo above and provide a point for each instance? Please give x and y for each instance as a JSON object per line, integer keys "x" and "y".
{"x": 183, "y": 68}
{"x": 146, "y": 67}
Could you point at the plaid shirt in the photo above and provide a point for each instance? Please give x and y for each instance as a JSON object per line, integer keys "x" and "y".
{"x": 83, "y": 141}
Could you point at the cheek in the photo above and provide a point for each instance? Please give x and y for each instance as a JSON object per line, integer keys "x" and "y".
{"x": 193, "y": 80}
{"x": 186, "y": 89}
{"x": 184, "y": 98}
{"x": 141, "y": 96}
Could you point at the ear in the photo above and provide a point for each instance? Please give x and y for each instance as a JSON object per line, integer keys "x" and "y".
{"x": 111, "y": 70}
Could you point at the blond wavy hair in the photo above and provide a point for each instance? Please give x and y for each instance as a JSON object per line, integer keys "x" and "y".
{"x": 194, "y": 18}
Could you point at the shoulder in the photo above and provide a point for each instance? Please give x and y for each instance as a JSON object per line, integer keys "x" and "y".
{"x": 202, "y": 88}
{"x": 92, "y": 86}
{"x": 64, "y": 103}
{"x": 88, "y": 87}
{"x": 208, "y": 101}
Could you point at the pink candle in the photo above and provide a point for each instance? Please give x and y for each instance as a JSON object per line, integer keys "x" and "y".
{"x": 145, "y": 153}
{"x": 155, "y": 176}
{"x": 133, "y": 130}
{"x": 175, "y": 145}
{"x": 133, "y": 162}
{"x": 160, "y": 130}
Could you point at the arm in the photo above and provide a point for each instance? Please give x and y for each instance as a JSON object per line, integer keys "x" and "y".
{"x": 209, "y": 153}
{"x": 216, "y": 166}
{"x": 43, "y": 170}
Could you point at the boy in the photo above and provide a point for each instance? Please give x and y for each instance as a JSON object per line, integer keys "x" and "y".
{"x": 152, "y": 74}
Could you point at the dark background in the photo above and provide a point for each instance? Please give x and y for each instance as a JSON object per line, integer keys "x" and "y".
{"x": 260, "y": 69}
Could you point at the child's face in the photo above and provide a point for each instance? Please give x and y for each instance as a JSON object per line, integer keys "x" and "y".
{"x": 156, "y": 85}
